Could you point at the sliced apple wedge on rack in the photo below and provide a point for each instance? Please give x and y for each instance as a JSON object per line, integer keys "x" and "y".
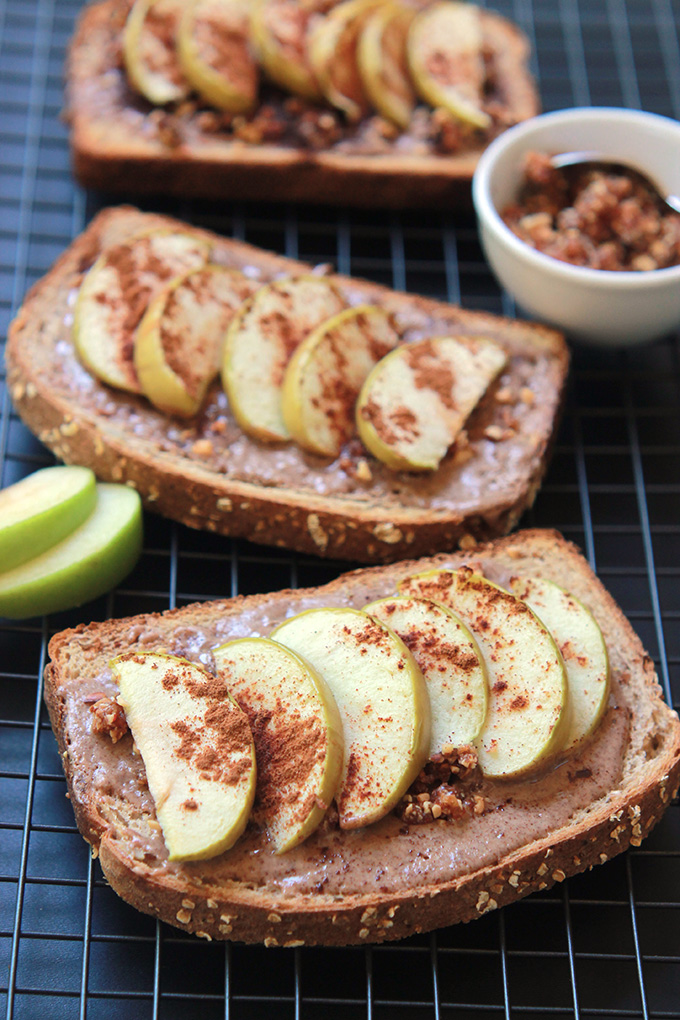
{"x": 449, "y": 658}
{"x": 333, "y": 56}
{"x": 583, "y": 649}
{"x": 416, "y": 400}
{"x": 383, "y": 703}
{"x": 444, "y": 49}
{"x": 326, "y": 372}
{"x": 528, "y": 717}
{"x": 297, "y": 731}
{"x": 115, "y": 294}
{"x": 383, "y": 67}
{"x": 260, "y": 343}
{"x": 178, "y": 344}
{"x": 214, "y": 53}
{"x": 197, "y": 750}
{"x": 149, "y": 52}
{"x": 279, "y": 31}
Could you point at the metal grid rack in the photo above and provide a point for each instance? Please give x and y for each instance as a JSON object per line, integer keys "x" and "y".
{"x": 606, "y": 944}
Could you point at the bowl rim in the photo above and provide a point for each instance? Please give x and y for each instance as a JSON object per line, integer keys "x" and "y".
{"x": 490, "y": 217}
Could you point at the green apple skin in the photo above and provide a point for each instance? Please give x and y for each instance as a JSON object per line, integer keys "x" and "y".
{"x": 270, "y": 681}
{"x": 217, "y": 87}
{"x": 289, "y": 70}
{"x": 157, "y": 86}
{"x": 90, "y": 561}
{"x": 41, "y": 510}
{"x": 381, "y": 57}
{"x": 333, "y": 56}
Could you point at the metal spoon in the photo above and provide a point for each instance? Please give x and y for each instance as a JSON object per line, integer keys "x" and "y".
{"x": 596, "y": 160}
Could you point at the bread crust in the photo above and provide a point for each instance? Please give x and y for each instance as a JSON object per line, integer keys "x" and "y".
{"x": 113, "y": 152}
{"x": 253, "y": 911}
{"x": 85, "y": 422}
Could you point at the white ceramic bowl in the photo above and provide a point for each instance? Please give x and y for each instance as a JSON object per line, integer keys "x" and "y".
{"x": 593, "y": 305}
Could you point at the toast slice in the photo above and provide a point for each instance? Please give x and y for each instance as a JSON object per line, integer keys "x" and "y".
{"x": 208, "y": 474}
{"x": 390, "y": 879}
{"x": 121, "y": 143}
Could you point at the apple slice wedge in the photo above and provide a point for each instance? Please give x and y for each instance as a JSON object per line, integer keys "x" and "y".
{"x": 333, "y": 56}
{"x": 149, "y": 52}
{"x": 528, "y": 716}
{"x": 383, "y": 703}
{"x": 297, "y": 731}
{"x": 449, "y": 658}
{"x": 583, "y": 649}
{"x": 260, "y": 343}
{"x": 178, "y": 344}
{"x": 383, "y": 67}
{"x": 214, "y": 53}
{"x": 42, "y": 509}
{"x": 115, "y": 294}
{"x": 444, "y": 49}
{"x": 197, "y": 750}
{"x": 88, "y": 562}
{"x": 279, "y": 31}
{"x": 326, "y": 372}
{"x": 415, "y": 401}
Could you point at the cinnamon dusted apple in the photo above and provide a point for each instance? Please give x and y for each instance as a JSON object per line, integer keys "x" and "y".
{"x": 214, "y": 53}
{"x": 149, "y": 51}
{"x": 279, "y": 30}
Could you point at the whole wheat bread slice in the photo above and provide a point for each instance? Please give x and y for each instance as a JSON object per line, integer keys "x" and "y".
{"x": 388, "y": 880}
{"x": 207, "y": 474}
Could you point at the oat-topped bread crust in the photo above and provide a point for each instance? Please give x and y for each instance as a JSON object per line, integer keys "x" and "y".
{"x": 208, "y": 474}
{"x": 120, "y": 143}
{"x": 389, "y": 879}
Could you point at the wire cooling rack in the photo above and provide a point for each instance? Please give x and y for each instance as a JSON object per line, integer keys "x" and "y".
{"x": 606, "y": 944}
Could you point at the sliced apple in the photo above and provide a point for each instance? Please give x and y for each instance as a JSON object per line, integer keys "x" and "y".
{"x": 115, "y": 294}
{"x": 583, "y": 649}
{"x": 297, "y": 731}
{"x": 178, "y": 344}
{"x": 383, "y": 703}
{"x": 215, "y": 56}
{"x": 88, "y": 562}
{"x": 326, "y": 372}
{"x": 449, "y": 659}
{"x": 279, "y": 30}
{"x": 333, "y": 56}
{"x": 527, "y": 718}
{"x": 149, "y": 52}
{"x": 444, "y": 49}
{"x": 197, "y": 750}
{"x": 415, "y": 401}
{"x": 260, "y": 343}
{"x": 42, "y": 509}
{"x": 383, "y": 67}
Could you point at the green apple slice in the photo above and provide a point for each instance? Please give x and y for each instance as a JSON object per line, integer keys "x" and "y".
{"x": 583, "y": 649}
{"x": 178, "y": 344}
{"x": 149, "y": 51}
{"x": 326, "y": 372}
{"x": 449, "y": 658}
{"x": 42, "y": 509}
{"x": 381, "y": 58}
{"x": 444, "y": 49}
{"x": 333, "y": 56}
{"x": 383, "y": 703}
{"x": 197, "y": 750}
{"x": 415, "y": 401}
{"x": 527, "y": 718}
{"x": 279, "y": 31}
{"x": 88, "y": 562}
{"x": 260, "y": 343}
{"x": 115, "y": 294}
{"x": 214, "y": 53}
{"x": 297, "y": 731}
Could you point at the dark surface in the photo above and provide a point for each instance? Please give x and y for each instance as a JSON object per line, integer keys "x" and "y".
{"x": 606, "y": 944}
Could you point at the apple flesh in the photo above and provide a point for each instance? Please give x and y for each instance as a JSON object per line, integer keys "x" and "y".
{"x": 383, "y": 703}
{"x": 214, "y": 53}
{"x": 333, "y": 56}
{"x": 41, "y": 510}
{"x": 149, "y": 52}
{"x": 260, "y": 343}
{"x": 381, "y": 58}
{"x": 115, "y": 294}
{"x": 178, "y": 344}
{"x": 297, "y": 731}
{"x": 279, "y": 32}
{"x": 197, "y": 750}
{"x": 449, "y": 658}
{"x": 527, "y": 718}
{"x": 88, "y": 562}
{"x": 326, "y": 372}
{"x": 415, "y": 401}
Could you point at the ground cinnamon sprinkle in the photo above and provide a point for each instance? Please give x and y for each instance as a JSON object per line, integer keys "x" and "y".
{"x": 287, "y": 747}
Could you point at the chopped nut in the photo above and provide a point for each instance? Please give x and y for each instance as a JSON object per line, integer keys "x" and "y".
{"x": 293, "y": 944}
{"x": 204, "y": 935}
{"x": 319, "y": 536}
{"x": 616, "y": 833}
{"x": 212, "y": 904}
{"x": 558, "y": 875}
{"x": 364, "y": 933}
{"x": 482, "y": 900}
{"x": 388, "y": 533}
{"x": 270, "y": 941}
{"x": 224, "y": 929}
{"x": 189, "y": 904}
{"x": 603, "y": 858}
{"x": 542, "y": 869}
{"x": 514, "y": 879}
{"x": 183, "y": 916}
{"x": 224, "y": 503}
{"x": 369, "y": 913}
{"x": 274, "y": 918}
{"x": 363, "y": 471}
